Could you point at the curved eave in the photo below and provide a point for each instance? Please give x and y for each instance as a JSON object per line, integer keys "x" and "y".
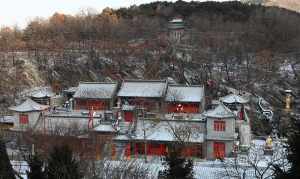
{"x": 170, "y": 101}
{"x": 23, "y": 111}
{"x": 220, "y": 117}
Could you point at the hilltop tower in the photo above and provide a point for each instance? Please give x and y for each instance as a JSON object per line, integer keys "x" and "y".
{"x": 176, "y": 29}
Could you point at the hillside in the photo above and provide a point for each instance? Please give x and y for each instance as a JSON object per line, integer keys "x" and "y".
{"x": 235, "y": 44}
{"x": 288, "y": 4}
{"x": 293, "y": 5}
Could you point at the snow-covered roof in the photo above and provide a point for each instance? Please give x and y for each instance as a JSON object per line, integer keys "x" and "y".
{"x": 42, "y": 94}
{"x": 221, "y": 111}
{"x": 139, "y": 88}
{"x": 71, "y": 90}
{"x": 96, "y": 90}
{"x": 185, "y": 116}
{"x": 128, "y": 107}
{"x": 176, "y": 20}
{"x": 162, "y": 131}
{"x": 38, "y": 92}
{"x": 234, "y": 98}
{"x": 104, "y": 128}
{"x": 63, "y": 125}
{"x": 28, "y": 106}
{"x": 64, "y": 113}
{"x": 181, "y": 93}
{"x": 7, "y": 119}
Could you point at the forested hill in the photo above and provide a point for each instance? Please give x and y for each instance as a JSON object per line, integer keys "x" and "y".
{"x": 248, "y": 42}
{"x": 262, "y": 27}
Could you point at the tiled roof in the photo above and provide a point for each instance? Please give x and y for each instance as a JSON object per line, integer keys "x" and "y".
{"x": 185, "y": 93}
{"x": 139, "y": 88}
{"x": 7, "y": 119}
{"x": 162, "y": 131}
{"x": 221, "y": 111}
{"x": 104, "y": 128}
{"x": 71, "y": 90}
{"x": 38, "y": 92}
{"x": 42, "y": 94}
{"x": 96, "y": 90}
{"x": 28, "y": 106}
{"x": 234, "y": 98}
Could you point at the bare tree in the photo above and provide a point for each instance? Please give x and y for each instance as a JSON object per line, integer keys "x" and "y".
{"x": 255, "y": 163}
{"x": 133, "y": 169}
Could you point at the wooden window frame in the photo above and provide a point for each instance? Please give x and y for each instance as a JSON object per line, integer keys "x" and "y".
{"x": 23, "y": 119}
{"x": 219, "y": 126}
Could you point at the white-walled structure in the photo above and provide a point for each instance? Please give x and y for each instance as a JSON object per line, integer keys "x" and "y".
{"x": 27, "y": 114}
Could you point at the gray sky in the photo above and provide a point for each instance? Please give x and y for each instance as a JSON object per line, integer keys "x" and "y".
{"x": 20, "y": 12}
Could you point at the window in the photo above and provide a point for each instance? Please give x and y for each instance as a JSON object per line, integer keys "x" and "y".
{"x": 219, "y": 125}
{"x": 128, "y": 116}
{"x": 23, "y": 119}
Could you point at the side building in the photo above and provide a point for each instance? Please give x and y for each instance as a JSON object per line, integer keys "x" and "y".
{"x": 95, "y": 95}
{"x": 220, "y": 132}
{"x": 27, "y": 114}
{"x": 185, "y": 99}
{"x": 147, "y": 94}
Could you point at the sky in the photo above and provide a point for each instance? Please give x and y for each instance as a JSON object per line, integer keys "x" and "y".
{"x": 20, "y": 12}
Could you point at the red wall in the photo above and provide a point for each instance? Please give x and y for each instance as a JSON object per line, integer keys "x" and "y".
{"x": 186, "y": 108}
{"x": 89, "y": 103}
{"x": 160, "y": 150}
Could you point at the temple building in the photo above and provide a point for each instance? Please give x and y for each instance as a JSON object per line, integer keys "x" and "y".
{"x": 147, "y": 94}
{"x": 185, "y": 99}
{"x": 141, "y": 118}
{"x": 41, "y": 95}
{"x": 176, "y": 29}
{"x": 151, "y": 138}
{"x": 234, "y": 101}
{"x": 220, "y": 127}
{"x": 95, "y": 95}
{"x": 27, "y": 114}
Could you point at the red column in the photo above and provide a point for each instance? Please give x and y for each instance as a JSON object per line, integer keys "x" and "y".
{"x": 127, "y": 151}
{"x": 136, "y": 150}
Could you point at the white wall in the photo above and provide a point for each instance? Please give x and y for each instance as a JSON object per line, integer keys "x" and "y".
{"x": 221, "y": 135}
{"x": 32, "y": 118}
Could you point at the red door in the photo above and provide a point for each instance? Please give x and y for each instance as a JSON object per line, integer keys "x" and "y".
{"x": 128, "y": 115}
{"x": 219, "y": 150}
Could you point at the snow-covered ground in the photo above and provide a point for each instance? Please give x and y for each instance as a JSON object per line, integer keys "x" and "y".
{"x": 20, "y": 167}
{"x": 242, "y": 166}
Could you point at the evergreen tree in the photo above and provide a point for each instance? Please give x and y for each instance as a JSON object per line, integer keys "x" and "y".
{"x": 293, "y": 148}
{"x": 177, "y": 166}
{"x": 62, "y": 164}
{"x": 6, "y": 170}
{"x": 36, "y": 168}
